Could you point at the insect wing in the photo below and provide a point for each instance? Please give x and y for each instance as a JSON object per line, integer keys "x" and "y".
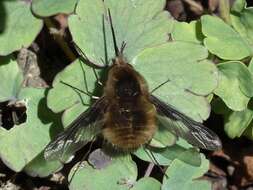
{"x": 183, "y": 126}
{"x": 79, "y": 133}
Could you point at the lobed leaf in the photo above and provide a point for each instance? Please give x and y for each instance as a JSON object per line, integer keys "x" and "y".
{"x": 237, "y": 122}
{"x": 242, "y": 20}
{"x": 21, "y": 26}
{"x": 21, "y": 144}
{"x": 81, "y": 78}
{"x": 185, "y": 77}
{"x": 185, "y": 175}
{"x": 119, "y": 174}
{"x": 235, "y": 85}
{"x": 222, "y": 40}
{"x": 140, "y": 24}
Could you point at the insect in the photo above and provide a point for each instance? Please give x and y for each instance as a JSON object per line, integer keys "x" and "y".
{"x": 127, "y": 114}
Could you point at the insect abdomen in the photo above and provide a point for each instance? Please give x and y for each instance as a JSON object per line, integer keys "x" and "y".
{"x": 129, "y": 129}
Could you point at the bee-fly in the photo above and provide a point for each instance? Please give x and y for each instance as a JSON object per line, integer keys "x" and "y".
{"x": 127, "y": 115}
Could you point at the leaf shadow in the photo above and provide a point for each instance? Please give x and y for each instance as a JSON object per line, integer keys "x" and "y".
{"x": 48, "y": 116}
{"x": 3, "y": 17}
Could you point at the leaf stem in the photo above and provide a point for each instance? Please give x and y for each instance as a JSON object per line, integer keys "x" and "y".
{"x": 149, "y": 169}
{"x": 195, "y": 5}
{"x": 59, "y": 39}
{"x": 224, "y": 9}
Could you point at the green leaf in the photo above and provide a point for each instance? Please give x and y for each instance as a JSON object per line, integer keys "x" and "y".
{"x": 39, "y": 167}
{"x": 79, "y": 76}
{"x": 237, "y": 122}
{"x": 239, "y": 5}
{"x": 22, "y": 147}
{"x": 235, "y": 86}
{"x": 140, "y": 24}
{"x": 185, "y": 78}
{"x": 72, "y": 113}
{"x": 21, "y": 26}
{"x": 185, "y": 176}
{"x": 46, "y": 8}
{"x": 164, "y": 156}
{"x": 21, "y": 144}
{"x": 119, "y": 174}
{"x": 142, "y": 154}
{"x": 222, "y": 40}
{"x": 188, "y": 32}
{"x": 162, "y": 138}
{"x": 249, "y": 132}
{"x": 11, "y": 79}
{"x": 147, "y": 183}
{"x": 243, "y": 24}
{"x": 72, "y": 102}
{"x": 188, "y": 155}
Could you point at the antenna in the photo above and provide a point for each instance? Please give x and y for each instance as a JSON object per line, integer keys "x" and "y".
{"x": 113, "y": 35}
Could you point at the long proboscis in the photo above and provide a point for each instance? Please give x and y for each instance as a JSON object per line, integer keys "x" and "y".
{"x": 116, "y": 49}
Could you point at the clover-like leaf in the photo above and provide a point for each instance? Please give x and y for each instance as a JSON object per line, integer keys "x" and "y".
{"x": 139, "y": 24}
{"x": 184, "y": 175}
{"x": 236, "y": 123}
{"x": 119, "y": 174}
{"x": 222, "y": 40}
{"x": 46, "y": 8}
{"x": 21, "y": 26}
{"x": 242, "y": 20}
{"x": 21, "y": 144}
{"x": 184, "y": 76}
{"x": 78, "y": 83}
{"x": 235, "y": 86}
{"x": 11, "y": 79}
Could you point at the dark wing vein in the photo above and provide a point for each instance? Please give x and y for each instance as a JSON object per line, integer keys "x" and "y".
{"x": 181, "y": 125}
{"x": 79, "y": 132}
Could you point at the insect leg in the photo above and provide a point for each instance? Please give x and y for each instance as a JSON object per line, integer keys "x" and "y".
{"x": 81, "y": 91}
{"x": 83, "y": 158}
{"x": 105, "y": 62}
{"x": 97, "y": 78}
{"x": 80, "y": 52}
{"x": 85, "y": 81}
{"x": 149, "y": 169}
{"x": 152, "y": 157}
